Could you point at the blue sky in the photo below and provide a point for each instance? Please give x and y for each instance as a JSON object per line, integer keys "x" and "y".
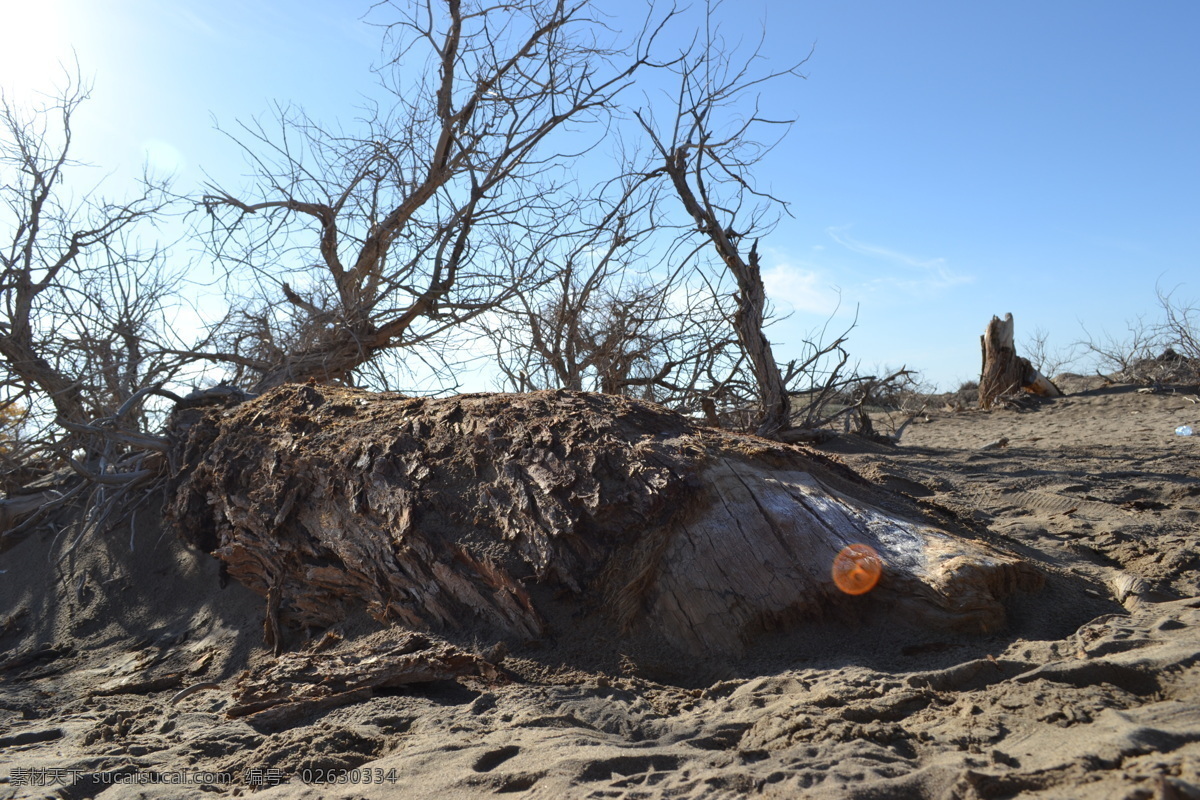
{"x": 949, "y": 161}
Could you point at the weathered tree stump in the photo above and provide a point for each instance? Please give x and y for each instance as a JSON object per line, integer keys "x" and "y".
{"x": 1004, "y": 372}
{"x": 512, "y": 514}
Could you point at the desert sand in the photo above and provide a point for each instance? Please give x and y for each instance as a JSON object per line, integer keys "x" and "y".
{"x": 122, "y": 658}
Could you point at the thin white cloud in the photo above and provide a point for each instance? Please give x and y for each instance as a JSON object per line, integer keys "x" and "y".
{"x": 936, "y": 273}
{"x": 802, "y": 289}
{"x": 197, "y": 23}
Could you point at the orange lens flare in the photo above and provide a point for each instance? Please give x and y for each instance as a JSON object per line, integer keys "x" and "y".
{"x": 857, "y": 568}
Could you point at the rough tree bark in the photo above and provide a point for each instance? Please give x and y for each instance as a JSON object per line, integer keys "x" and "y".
{"x": 519, "y": 516}
{"x": 1004, "y": 372}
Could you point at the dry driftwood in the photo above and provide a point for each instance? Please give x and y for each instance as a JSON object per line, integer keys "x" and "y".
{"x": 504, "y": 513}
{"x": 1004, "y": 372}
{"x": 298, "y": 684}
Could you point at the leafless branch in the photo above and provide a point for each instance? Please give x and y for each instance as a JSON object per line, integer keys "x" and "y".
{"x": 400, "y": 232}
{"x": 707, "y": 149}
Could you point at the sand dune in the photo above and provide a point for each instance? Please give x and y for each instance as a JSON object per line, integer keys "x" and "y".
{"x": 1093, "y": 690}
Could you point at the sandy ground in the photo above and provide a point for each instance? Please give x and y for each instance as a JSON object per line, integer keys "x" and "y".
{"x": 1092, "y": 690}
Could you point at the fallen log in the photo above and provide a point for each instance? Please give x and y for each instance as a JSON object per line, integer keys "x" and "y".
{"x": 1004, "y": 372}
{"x": 298, "y": 684}
{"x": 516, "y": 515}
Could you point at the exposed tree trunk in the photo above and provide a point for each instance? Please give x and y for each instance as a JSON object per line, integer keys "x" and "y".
{"x": 23, "y": 360}
{"x": 749, "y": 322}
{"x": 1004, "y": 372}
{"x": 523, "y": 515}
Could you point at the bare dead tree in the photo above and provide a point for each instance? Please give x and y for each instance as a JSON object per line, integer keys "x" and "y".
{"x": 82, "y": 295}
{"x": 707, "y": 148}
{"x": 1046, "y": 360}
{"x": 1178, "y": 333}
{"x": 394, "y": 234}
{"x": 629, "y": 338}
{"x": 83, "y": 335}
{"x": 1117, "y": 354}
{"x": 616, "y": 316}
{"x": 1155, "y": 351}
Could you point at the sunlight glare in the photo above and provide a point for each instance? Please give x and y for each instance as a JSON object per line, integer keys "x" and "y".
{"x": 34, "y": 48}
{"x": 162, "y": 158}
